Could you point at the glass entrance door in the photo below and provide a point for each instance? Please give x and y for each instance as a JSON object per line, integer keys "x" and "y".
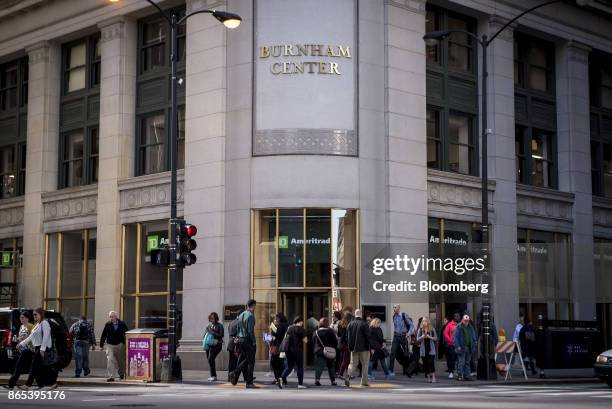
{"x": 311, "y": 306}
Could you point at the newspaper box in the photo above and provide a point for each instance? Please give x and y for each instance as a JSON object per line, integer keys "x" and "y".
{"x": 145, "y": 347}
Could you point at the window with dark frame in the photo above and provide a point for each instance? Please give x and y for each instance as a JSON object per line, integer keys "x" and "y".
{"x": 13, "y": 116}
{"x": 451, "y": 94}
{"x": 600, "y": 84}
{"x": 153, "y": 100}
{"x": 535, "y": 112}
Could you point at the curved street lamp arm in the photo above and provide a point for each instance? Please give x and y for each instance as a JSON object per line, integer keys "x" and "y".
{"x": 519, "y": 16}
{"x": 185, "y": 17}
{"x": 163, "y": 13}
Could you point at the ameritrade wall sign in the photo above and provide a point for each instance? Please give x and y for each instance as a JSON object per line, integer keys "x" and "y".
{"x": 402, "y": 272}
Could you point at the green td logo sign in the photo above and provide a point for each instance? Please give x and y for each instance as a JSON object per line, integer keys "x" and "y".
{"x": 7, "y": 258}
{"x": 283, "y": 242}
{"x": 152, "y": 242}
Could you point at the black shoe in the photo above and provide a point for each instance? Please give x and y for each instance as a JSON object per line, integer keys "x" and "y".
{"x": 233, "y": 379}
{"x": 10, "y": 388}
{"x": 77, "y": 376}
{"x": 467, "y": 378}
{"x": 111, "y": 379}
{"x": 317, "y": 383}
{"x": 86, "y": 373}
{"x": 284, "y": 381}
{"x": 334, "y": 383}
{"x": 347, "y": 381}
{"x": 251, "y": 386}
{"x": 121, "y": 376}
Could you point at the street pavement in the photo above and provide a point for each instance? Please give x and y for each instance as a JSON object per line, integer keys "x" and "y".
{"x": 557, "y": 395}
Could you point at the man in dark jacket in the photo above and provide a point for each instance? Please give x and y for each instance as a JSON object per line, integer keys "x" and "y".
{"x": 113, "y": 336}
{"x": 357, "y": 335}
{"x": 232, "y": 346}
{"x": 247, "y": 344}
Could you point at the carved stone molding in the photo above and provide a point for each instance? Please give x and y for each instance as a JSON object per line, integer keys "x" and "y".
{"x": 70, "y": 203}
{"x": 193, "y": 5}
{"x": 11, "y": 212}
{"x": 602, "y": 212}
{"x": 111, "y": 30}
{"x": 38, "y": 53}
{"x": 148, "y": 191}
{"x": 454, "y": 193}
{"x": 305, "y": 142}
{"x": 417, "y": 6}
{"x": 544, "y": 203}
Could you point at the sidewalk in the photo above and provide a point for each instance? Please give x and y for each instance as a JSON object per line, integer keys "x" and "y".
{"x": 190, "y": 377}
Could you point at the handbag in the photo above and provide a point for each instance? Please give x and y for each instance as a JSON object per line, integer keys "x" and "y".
{"x": 328, "y": 352}
{"x": 50, "y": 356}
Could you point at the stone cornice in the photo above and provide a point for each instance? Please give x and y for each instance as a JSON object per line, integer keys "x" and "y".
{"x": 38, "y": 52}
{"x": 416, "y": 6}
{"x": 544, "y": 203}
{"x": 70, "y": 203}
{"x": 11, "y": 212}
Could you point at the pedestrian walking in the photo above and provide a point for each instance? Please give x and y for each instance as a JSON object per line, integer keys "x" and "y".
{"x": 336, "y": 320}
{"x": 358, "y": 344}
{"x": 84, "y": 337}
{"x": 232, "y": 347}
{"x": 517, "y": 329}
{"x": 325, "y": 346}
{"x": 42, "y": 341}
{"x": 345, "y": 353}
{"x": 527, "y": 339}
{"x": 427, "y": 339}
{"x": 402, "y": 326}
{"x": 378, "y": 349}
{"x": 247, "y": 344}
{"x": 465, "y": 346}
{"x": 25, "y": 354}
{"x": 213, "y": 343}
{"x": 293, "y": 347}
{"x": 278, "y": 328}
{"x": 449, "y": 340}
{"x": 113, "y": 338}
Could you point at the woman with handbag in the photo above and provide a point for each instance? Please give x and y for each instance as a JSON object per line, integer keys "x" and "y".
{"x": 325, "y": 344}
{"x": 293, "y": 347}
{"x": 278, "y": 328}
{"x": 44, "y": 351}
{"x": 378, "y": 350}
{"x": 427, "y": 338}
{"x": 213, "y": 343}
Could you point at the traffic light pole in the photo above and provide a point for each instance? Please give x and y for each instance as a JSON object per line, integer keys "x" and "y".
{"x": 173, "y": 268}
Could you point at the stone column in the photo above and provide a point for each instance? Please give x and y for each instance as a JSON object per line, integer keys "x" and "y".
{"x": 42, "y": 154}
{"x": 205, "y": 126}
{"x": 504, "y": 268}
{"x": 406, "y": 103}
{"x": 574, "y": 169}
{"x": 118, "y": 50}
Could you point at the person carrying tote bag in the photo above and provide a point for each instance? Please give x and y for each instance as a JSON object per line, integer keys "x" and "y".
{"x": 325, "y": 345}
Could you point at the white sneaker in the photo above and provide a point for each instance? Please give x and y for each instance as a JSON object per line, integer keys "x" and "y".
{"x": 212, "y": 379}
{"x": 302, "y": 387}
{"x": 473, "y": 374}
{"x": 450, "y": 375}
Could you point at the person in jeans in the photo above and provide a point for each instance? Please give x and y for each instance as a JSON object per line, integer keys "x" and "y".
{"x": 358, "y": 344}
{"x": 232, "y": 346}
{"x": 25, "y": 355}
{"x": 294, "y": 350}
{"x": 378, "y": 349}
{"x": 113, "y": 336}
{"x": 82, "y": 332}
{"x": 323, "y": 337}
{"x": 216, "y": 330}
{"x": 278, "y": 328}
{"x": 427, "y": 338}
{"x": 41, "y": 340}
{"x": 402, "y": 328}
{"x": 465, "y": 346}
{"x": 449, "y": 340}
{"x": 247, "y": 344}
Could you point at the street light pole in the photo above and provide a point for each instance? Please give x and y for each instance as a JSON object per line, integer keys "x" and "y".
{"x": 484, "y": 42}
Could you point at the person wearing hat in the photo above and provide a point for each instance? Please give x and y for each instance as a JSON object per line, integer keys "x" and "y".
{"x": 465, "y": 346}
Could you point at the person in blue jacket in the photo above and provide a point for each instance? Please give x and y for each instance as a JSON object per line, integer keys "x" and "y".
{"x": 465, "y": 347}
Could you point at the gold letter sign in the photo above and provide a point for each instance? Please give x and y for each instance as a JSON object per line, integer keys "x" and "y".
{"x": 305, "y": 50}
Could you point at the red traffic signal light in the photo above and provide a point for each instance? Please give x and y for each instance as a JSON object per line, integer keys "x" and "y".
{"x": 186, "y": 244}
{"x": 188, "y": 230}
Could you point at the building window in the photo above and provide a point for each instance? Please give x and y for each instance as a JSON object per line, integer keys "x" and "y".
{"x": 154, "y": 143}
{"x": 153, "y": 101}
{"x": 80, "y": 113}
{"x": 535, "y": 112}
{"x": 144, "y": 289}
{"x": 304, "y": 261}
{"x": 451, "y": 95}
{"x": 79, "y": 158}
{"x": 70, "y": 273}
{"x": 544, "y": 264}
{"x": 11, "y": 251}
{"x": 600, "y": 79}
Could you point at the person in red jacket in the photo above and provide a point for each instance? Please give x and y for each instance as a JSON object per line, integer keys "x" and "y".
{"x": 449, "y": 338}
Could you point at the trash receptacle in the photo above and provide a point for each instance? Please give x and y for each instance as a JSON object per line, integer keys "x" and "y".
{"x": 144, "y": 349}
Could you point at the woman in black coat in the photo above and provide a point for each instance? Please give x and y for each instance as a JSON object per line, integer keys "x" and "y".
{"x": 324, "y": 337}
{"x": 278, "y": 328}
{"x": 378, "y": 349}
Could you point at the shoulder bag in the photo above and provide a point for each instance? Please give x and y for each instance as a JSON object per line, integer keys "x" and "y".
{"x": 328, "y": 352}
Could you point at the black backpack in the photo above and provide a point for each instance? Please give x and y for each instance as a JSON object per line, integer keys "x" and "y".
{"x": 83, "y": 331}
{"x": 59, "y": 334}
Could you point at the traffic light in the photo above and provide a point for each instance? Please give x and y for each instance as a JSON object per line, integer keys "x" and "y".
{"x": 186, "y": 244}
{"x": 160, "y": 257}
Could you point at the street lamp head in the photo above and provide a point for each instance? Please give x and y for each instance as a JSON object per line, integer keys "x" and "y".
{"x": 432, "y": 38}
{"x": 229, "y": 20}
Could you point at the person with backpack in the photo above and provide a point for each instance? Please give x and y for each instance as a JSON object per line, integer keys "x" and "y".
{"x": 402, "y": 328}
{"x": 278, "y": 328}
{"x": 82, "y": 332}
{"x": 359, "y": 345}
{"x": 293, "y": 347}
{"x": 232, "y": 346}
{"x": 113, "y": 335}
{"x": 42, "y": 341}
{"x": 527, "y": 340}
{"x": 25, "y": 355}
{"x": 247, "y": 344}
{"x": 213, "y": 343}
{"x": 449, "y": 340}
{"x": 325, "y": 351}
